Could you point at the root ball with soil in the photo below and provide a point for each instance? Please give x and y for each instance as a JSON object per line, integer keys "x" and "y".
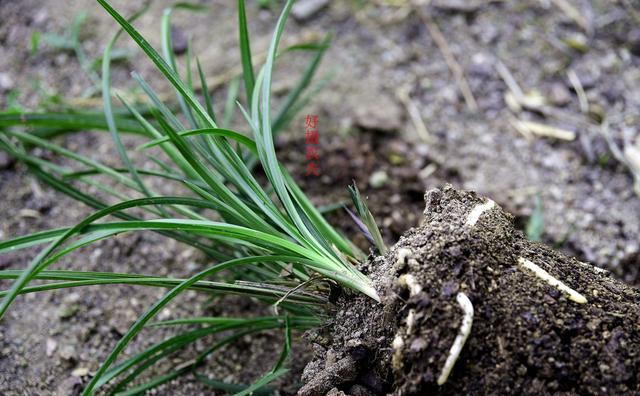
{"x": 470, "y": 306}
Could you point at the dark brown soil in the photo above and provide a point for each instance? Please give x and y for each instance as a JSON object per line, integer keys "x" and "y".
{"x": 527, "y": 336}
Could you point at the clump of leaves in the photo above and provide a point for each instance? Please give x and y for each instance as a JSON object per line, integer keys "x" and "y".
{"x": 257, "y": 231}
{"x": 365, "y": 221}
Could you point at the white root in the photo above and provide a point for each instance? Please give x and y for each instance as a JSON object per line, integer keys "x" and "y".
{"x": 544, "y": 275}
{"x": 461, "y": 338}
{"x": 398, "y": 342}
{"x": 410, "y": 282}
{"x": 411, "y": 321}
{"x": 397, "y": 345}
{"x": 478, "y": 210}
{"x": 404, "y": 255}
{"x": 595, "y": 269}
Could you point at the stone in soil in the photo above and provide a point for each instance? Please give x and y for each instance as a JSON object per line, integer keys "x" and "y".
{"x": 378, "y": 113}
{"x": 305, "y": 9}
{"x": 543, "y": 322}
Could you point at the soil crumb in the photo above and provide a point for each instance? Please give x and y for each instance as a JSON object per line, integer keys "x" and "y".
{"x": 542, "y": 322}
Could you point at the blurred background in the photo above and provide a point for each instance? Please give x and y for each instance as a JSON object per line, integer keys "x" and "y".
{"x": 533, "y": 103}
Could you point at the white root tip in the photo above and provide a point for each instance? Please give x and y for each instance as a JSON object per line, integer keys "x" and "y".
{"x": 398, "y": 342}
{"x": 461, "y": 338}
{"x": 478, "y": 210}
{"x": 411, "y": 321}
{"x": 396, "y": 358}
{"x": 545, "y": 276}
{"x": 595, "y": 269}
{"x": 403, "y": 255}
{"x": 411, "y": 283}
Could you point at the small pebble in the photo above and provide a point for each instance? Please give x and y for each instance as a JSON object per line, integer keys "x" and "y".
{"x": 80, "y": 372}
{"x": 305, "y": 9}
{"x": 51, "y": 346}
{"x": 559, "y": 94}
{"x": 378, "y": 179}
{"x": 179, "y": 40}
{"x": 5, "y": 160}
{"x": 378, "y": 113}
{"x": 6, "y": 82}
{"x": 67, "y": 353}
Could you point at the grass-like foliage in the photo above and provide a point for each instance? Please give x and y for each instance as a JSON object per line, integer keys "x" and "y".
{"x": 268, "y": 235}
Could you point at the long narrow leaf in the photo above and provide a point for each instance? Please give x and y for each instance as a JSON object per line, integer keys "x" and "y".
{"x": 153, "y": 310}
{"x": 245, "y": 51}
{"x": 162, "y": 65}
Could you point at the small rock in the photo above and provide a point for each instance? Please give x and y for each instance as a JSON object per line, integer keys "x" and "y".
{"x": 330, "y": 358}
{"x": 51, "y": 346}
{"x": 72, "y": 298}
{"x": 449, "y": 288}
{"x": 6, "y": 82}
{"x": 335, "y": 392}
{"x": 311, "y": 370}
{"x": 70, "y": 386}
{"x": 67, "y": 353}
{"x": 67, "y": 311}
{"x": 305, "y": 9}
{"x": 418, "y": 344}
{"x": 343, "y": 371}
{"x": 80, "y": 372}
{"x": 164, "y": 314}
{"x": 614, "y": 91}
{"x": 61, "y": 59}
{"x": 5, "y": 160}
{"x": 179, "y": 40}
{"x": 40, "y": 18}
{"x": 481, "y": 66}
{"x": 577, "y": 42}
{"x": 378, "y": 179}
{"x": 70, "y": 306}
{"x": 464, "y": 6}
{"x": 378, "y": 113}
{"x": 449, "y": 94}
{"x": 593, "y": 324}
{"x": 521, "y": 370}
{"x": 559, "y": 94}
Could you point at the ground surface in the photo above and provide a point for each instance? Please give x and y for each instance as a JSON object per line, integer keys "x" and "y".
{"x": 380, "y": 51}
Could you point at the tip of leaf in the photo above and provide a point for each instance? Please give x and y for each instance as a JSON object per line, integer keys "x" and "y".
{"x": 371, "y": 292}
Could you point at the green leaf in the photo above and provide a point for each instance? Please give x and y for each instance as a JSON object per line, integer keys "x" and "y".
{"x": 229, "y": 106}
{"x": 35, "y": 42}
{"x": 242, "y": 139}
{"x": 162, "y": 65}
{"x": 367, "y": 218}
{"x": 535, "y": 224}
{"x": 245, "y": 51}
{"x": 69, "y": 122}
{"x": 264, "y": 380}
{"x": 205, "y": 91}
{"x": 284, "y": 114}
{"x": 108, "y": 112}
{"x": 152, "y": 311}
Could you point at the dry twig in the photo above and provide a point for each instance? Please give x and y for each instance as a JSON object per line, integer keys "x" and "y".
{"x": 454, "y": 66}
